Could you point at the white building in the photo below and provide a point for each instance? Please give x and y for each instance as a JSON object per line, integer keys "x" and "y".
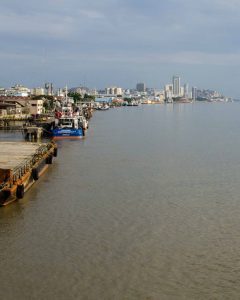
{"x": 31, "y": 106}
{"x": 36, "y": 107}
{"x": 186, "y": 90}
{"x": 181, "y": 94}
{"x": 18, "y": 91}
{"x": 38, "y": 91}
{"x": 168, "y": 91}
{"x": 114, "y": 90}
{"x": 3, "y": 92}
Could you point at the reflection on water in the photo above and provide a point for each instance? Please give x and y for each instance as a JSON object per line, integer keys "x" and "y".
{"x": 146, "y": 207}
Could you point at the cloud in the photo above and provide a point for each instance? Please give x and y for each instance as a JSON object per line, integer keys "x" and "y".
{"x": 91, "y": 14}
{"x": 137, "y": 33}
{"x": 185, "y": 58}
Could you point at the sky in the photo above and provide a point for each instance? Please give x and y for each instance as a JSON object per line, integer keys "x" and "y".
{"x": 101, "y": 43}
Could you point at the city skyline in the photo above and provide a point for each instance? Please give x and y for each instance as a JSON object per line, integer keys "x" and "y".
{"x": 169, "y": 89}
{"x": 121, "y": 43}
{"x": 169, "y": 92}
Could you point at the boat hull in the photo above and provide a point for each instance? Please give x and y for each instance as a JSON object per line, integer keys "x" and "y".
{"x": 59, "y": 133}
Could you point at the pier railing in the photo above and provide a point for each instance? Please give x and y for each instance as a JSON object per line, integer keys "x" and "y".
{"x": 28, "y": 164}
{"x": 19, "y": 117}
{"x": 21, "y": 169}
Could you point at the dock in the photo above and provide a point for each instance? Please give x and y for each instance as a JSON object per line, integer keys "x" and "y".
{"x": 21, "y": 164}
{"x": 33, "y": 132}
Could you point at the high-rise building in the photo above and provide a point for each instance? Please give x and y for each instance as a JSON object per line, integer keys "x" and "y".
{"x": 168, "y": 91}
{"x": 140, "y": 87}
{"x": 114, "y": 90}
{"x": 49, "y": 88}
{"x": 176, "y": 85}
{"x": 38, "y": 91}
{"x": 194, "y": 93}
{"x": 168, "y": 87}
{"x": 186, "y": 92}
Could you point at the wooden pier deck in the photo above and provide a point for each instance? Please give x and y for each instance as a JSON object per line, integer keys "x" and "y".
{"x": 12, "y": 154}
{"x": 21, "y": 164}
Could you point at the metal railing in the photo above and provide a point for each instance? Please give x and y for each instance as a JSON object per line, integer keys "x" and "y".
{"x": 26, "y": 165}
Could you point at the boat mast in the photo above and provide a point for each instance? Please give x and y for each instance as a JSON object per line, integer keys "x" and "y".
{"x": 66, "y": 93}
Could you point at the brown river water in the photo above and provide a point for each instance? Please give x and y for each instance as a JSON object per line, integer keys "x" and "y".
{"x": 147, "y": 206}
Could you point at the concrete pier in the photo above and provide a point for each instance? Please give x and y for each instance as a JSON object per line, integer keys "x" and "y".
{"x": 33, "y": 132}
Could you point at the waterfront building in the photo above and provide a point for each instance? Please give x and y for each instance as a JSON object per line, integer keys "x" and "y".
{"x": 3, "y": 92}
{"x": 10, "y": 107}
{"x": 49, "y": 89}
{"x": 37, "y": 91}
{"x": 158, "y": 92}
{"x": 168, "y": 95}
{"x": 194, "y": 93}
{"x": 168, "y": 88}
{"x": 24, "y": 104}
{"x": 160, "y": 97}
{"x": 118, "y": 91}
{"x": 114, "y": 90}
{"x": 127, "y": 92}
{"x": 60, "y": 93}
{"x": 82, "y": 90}
{"x": 141, "y": 87}
{"x": 18, "y": 90}
{"x": 186, "y": 91}
{"x": 181, "y": 94}
{"x": 36, "y": 107}
{"x": 168, "y": 91}
{"x": 176, "y": 86}
{"x": 93, "y": 92}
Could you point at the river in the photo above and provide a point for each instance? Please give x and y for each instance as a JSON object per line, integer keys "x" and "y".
{"x": 147, "y": 206}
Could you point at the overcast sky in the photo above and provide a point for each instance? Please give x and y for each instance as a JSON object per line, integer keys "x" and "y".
{"x": 100, "y": 43}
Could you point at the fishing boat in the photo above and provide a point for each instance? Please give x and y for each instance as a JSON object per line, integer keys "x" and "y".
{"x": 68, "y": 123}
{"x": 67, "y": 127}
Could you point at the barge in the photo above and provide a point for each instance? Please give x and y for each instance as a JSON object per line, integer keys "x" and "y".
{"x": 21, "y": 164}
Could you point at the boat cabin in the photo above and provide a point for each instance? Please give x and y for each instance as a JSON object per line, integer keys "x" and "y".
{"x": 66, "y": 123}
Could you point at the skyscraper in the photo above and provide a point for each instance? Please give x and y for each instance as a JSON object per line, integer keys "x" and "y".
{"x": 194, "y": 93}
{"x": 186, "y": 92}
{"x": 176, "y": 85}
{"x": 140, "y": 87}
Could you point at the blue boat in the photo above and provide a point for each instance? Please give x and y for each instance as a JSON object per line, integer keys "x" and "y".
{"x": 68, "y": 123}
{"x": 67, "y": 127}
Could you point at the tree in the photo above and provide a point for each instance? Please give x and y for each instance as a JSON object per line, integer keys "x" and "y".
{"x": 48, "y": 104}
{"x": 76, "y": 96}
{"x": 89, "y": 97}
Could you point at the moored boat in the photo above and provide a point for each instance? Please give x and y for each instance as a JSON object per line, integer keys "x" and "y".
{"x": 67, "y": 122}
{"x": 103, "y": 107}
{"x": 67, "y": 127}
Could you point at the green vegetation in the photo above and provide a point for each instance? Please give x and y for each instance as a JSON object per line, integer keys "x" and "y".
{"x": 88, "y": 97}
{"x": 76, "y": 96}
{"x": 48, "y": 104}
